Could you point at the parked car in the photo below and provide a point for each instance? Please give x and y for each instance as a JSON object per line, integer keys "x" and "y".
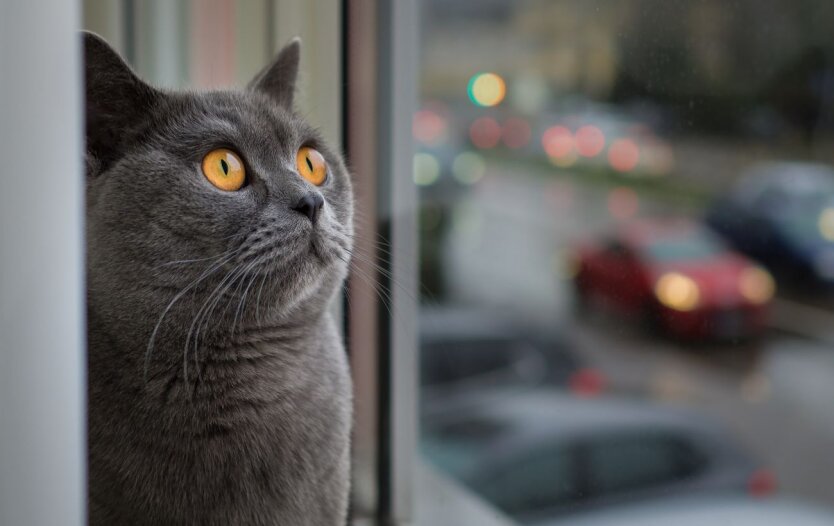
{"x": 537, "y": 455}
{"x": 782, "y": 214}
{"x": 678, "y": 276}
{"x": 707, "y": 511}
{"x": 464, "y": 348}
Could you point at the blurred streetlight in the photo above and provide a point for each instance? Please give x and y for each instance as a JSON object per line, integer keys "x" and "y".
{"x": 486, "y": 89}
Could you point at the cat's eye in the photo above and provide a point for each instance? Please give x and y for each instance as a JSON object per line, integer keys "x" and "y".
{"x": 311, "y": 165}
{"x": 224, "y": 169}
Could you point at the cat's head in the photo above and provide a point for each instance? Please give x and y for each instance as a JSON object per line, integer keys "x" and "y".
{"x": 226, "y": 207}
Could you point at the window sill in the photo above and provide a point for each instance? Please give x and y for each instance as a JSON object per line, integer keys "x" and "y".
{"x": 440, "y": 501}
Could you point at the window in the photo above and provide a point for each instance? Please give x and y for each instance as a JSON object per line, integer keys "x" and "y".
{"x": 545, "y": 479}
{"x": 633, "y": 463}
{"x": 496, "y": 146}
{"x": 651, "y": 180}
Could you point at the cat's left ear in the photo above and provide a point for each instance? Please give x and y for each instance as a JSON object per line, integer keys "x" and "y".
{"x": 277, "y": 80}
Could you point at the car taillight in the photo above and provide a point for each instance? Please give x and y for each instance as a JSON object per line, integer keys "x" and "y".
{"x": 587, "y": 382}
{"x": 762, "y": 483}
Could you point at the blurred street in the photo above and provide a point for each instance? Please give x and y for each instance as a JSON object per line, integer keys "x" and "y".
{"x": 507, "y": 246}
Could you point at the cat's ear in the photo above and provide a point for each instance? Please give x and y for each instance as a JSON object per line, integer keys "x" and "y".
{"x": 277, "y": 79}
{"x": 116, "y": 101}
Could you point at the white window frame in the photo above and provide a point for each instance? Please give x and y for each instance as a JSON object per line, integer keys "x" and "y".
{"x": 42, "y": 300}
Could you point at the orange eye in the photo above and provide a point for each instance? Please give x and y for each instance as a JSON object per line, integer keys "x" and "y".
{"x": 224, "y": 169}
{"x": 311, "y": 165}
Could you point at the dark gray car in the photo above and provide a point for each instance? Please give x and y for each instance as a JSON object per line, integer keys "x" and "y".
{"x": 464, "y": 349}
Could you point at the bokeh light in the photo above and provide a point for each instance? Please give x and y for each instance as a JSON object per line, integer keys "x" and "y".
{"x": 468, "y": 167}
{"x": 623, "y": 155}
{"x": 590, "y": 141}
{"x": 756, "y": 285}
{"x": 426, "y": 169}
{"x": 566, "y": 161}
{"x": 428, "y": 127}
{"x": 558, "y": 142}
{"x": 677, "y": 291}
{"x": 485, "y": 133}
{"x": 826, "y": 223}
{"x": 486, "y": 89}
{"x": 623, "y": 203}
{"x": 516, "y": 133}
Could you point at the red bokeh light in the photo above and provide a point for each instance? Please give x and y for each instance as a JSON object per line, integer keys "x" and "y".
{"x": 590, "y": 141}
{"x": 558, "y": 142}
{"x": 623, "y": 203}
{"x": 762, "y": 483}
{"x": 623, "y": 155}
{"x": 516, "y": 133}
{"x": 428, "y": 127}
{"x": 485, "y": 133}
{"x": 587, "y": 383}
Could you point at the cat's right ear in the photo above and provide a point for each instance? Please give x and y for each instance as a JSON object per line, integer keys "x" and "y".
{"x": 116, "y": 102}
{"x": 277, "y": 80}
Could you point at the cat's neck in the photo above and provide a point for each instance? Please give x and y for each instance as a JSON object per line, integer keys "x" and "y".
{"x": 177, "y": 357}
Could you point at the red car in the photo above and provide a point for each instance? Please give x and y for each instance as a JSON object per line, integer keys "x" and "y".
{"x": 679, "y": 276}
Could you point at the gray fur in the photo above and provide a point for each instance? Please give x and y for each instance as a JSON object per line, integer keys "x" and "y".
{"x": 219, "y": 391}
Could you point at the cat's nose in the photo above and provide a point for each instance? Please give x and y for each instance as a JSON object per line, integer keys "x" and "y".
{"x": 310, "y": 206}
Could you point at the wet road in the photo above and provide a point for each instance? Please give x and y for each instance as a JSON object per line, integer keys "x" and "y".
{"x": 505, "y": 248}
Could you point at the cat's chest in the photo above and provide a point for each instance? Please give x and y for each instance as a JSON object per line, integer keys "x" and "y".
{"x": 268, "y": 384}
{"x": 251, "y": 421}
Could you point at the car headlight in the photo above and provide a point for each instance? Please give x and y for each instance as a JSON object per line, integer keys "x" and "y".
{"x": 756, "y": 285}
{"x": 677, "y": 291}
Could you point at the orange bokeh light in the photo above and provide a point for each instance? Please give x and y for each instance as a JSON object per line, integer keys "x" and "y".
{"x": 558, "y": 142}
{"x": 623, "y": 155}
{"x": 590, "y": 141}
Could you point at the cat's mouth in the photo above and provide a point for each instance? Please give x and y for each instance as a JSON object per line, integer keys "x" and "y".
{"x": 325, "y": 250}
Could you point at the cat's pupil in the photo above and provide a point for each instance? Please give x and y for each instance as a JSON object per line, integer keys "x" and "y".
{"x": 309, "y": 164}
{"x": 225, "y": 166}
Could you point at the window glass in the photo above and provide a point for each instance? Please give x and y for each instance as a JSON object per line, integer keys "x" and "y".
{"x": 540, "y": 480}
{"x": 461, "y": 446}
{"x": 632, "y": 463}
{"x": 698, "y": 139}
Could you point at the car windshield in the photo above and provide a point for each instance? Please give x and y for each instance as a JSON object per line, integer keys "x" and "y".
{"x": 809, "y": 218}
{"x": 692, "y": 247}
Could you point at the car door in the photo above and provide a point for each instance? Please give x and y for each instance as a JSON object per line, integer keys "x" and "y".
{"x": 620, "y": 275}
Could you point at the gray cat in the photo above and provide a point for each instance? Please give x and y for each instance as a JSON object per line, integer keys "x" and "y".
{"x": 219, "y": 229}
